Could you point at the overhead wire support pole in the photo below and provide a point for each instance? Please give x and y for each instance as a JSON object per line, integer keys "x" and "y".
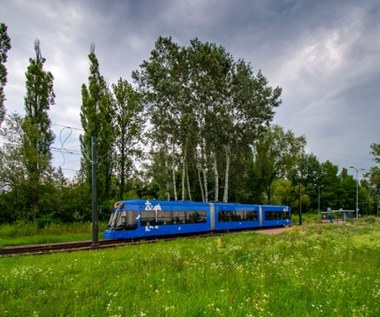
{"x": 95, "y": 241}
{"x": 357, "y": 189}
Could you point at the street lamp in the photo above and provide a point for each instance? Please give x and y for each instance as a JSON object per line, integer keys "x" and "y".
{"x": 357, "y": 189}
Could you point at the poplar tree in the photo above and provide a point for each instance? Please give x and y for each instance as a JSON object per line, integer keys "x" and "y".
{"x": 5, "y": 45}
{"x": 37, "y": 134}
{"x": 128, "y": 130}
{"x": 97, "y": 121}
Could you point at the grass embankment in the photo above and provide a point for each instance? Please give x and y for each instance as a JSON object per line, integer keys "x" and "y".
{"x": 22, "y": 233}
{"x": 316, "y": 270}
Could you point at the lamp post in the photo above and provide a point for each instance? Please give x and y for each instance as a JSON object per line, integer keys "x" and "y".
{"x": 357, "y": 189}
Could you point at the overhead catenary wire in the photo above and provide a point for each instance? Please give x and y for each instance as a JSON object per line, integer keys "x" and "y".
{"x": 62, "y": 141}
{"x": 67, "y": 126}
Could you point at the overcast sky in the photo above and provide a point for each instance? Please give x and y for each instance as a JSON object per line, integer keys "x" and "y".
{"x": 325, "y": 55}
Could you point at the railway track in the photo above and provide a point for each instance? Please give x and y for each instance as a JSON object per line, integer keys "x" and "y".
{"x": 59, "y": 247}
{"x": 36, "y": 249}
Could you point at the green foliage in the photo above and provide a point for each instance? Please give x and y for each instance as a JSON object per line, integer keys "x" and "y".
{"x": 12, "y": 167}
{"x": 97, "y": 121}
{"x": 206, "y": 110}
{"x": 5, "y": 46}
{"x": 310, "y": 271}
{"x": 37, "y": 135}
{"x": 276, "y": 152}
{"x": 58, "y": 200}
{"x": 375, "y": 151}
{"x": 128, "y": 131}
{"x": 372, "y": 181}
{"x": 373, "y": 184}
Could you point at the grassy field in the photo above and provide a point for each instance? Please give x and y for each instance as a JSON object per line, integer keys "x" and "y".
{"x": 313, "y": 270}
{"x": 21, "y": 233}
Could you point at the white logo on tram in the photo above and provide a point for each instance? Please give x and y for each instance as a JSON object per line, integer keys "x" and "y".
{"x": 156, "y": 208}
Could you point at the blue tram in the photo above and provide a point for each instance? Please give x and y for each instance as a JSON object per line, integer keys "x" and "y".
{"x": 138, "y": 218}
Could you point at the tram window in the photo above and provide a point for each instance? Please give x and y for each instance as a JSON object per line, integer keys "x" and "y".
{"x": 124, "y": 220}
{"x": 241, "y": 215}
{"x": 276, "y": 215}
{"x": 165, "y": 217}
{"x": 148, "y": 218}
{"x": 197, "y": 216}
{"x": 112, "y": 221}
{"x": 170, "y": 217}
{"x": 184, "y": 216}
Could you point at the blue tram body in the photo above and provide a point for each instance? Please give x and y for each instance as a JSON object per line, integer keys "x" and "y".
{"x": 139, "y": 218}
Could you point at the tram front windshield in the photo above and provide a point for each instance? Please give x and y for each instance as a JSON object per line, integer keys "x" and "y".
{"x": 123, "y": 220}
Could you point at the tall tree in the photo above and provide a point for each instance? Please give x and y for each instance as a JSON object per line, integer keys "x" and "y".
{"x": 161, "y": 83}
{"x": 250, "y": 111}
{"x": 374, "y": 178}
{"x": 97, "y": 115}
{"x": 205, "y": 109}
{"x": 210, "y": 82}
{"x": 346, "y": 190}
{"x": 5, "y": 45}
{"x": 12, "y": 169}
{"x": 13, "y": 187}
{"x": 276, "y": 152}
{"x": 38, "y": 136}
{"x": 331, "y": 182}
{"x": 128, "y": 130}
{"x": 375, "y": 151}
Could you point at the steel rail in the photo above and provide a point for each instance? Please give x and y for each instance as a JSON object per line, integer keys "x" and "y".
{"x": 57, "y": 247}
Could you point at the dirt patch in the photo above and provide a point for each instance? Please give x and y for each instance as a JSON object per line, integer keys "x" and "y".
{"x": 274, "y": 230}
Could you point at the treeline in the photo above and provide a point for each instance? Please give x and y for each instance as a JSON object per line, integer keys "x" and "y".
{"x": 196, "y": 125}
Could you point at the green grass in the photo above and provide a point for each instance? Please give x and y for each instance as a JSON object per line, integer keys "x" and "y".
{"x": 314, "y": 270}
{"x": 29, "y": 233}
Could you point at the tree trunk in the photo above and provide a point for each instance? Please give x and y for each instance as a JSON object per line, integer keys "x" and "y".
{"x": 184, "y": 151}
{"x": 188, "y": 183}
{"x": 226, "y": 178}
{"x": 205, "y": 184}
{"x": 167, "y": 182}
{"x": 216, "y": 175}
{"x": 268, "y": 190}
{"x": 122, "y": 163}
{"x": 200, "y": 183}
{"x": 173, "y": 175}
{"x": 183, "y": 190}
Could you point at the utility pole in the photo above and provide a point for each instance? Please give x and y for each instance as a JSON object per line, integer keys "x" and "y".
{"x": 95, "y": 242}
{"x": 357, "y": 189}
